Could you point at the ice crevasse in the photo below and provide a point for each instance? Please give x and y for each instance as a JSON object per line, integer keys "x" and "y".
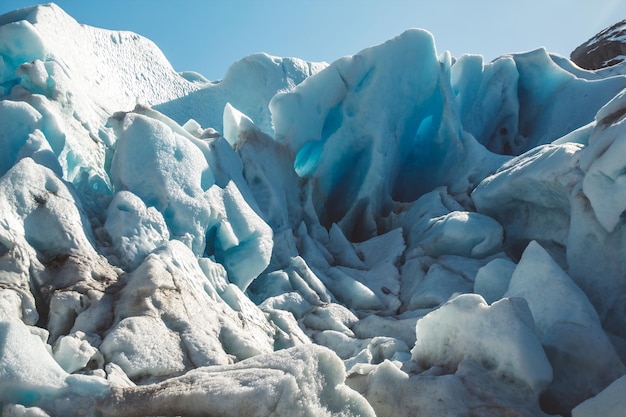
{"x": 399, "y": 232}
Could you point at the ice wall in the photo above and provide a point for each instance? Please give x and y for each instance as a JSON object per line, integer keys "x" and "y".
{"x": 400, "y": 231}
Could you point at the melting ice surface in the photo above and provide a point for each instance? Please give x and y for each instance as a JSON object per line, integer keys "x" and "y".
{"x": 397, "y": 233}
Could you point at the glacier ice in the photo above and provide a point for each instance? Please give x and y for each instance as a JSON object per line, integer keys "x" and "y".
{"x": 135, "y": 229}
{"x": 446, "y": 338}
{"x": 284, "y": 383}
{"x": 571, "y": 333}
{"x": 194, "y": 206}
{"x": 609, "y": 402}
{"x": 398, "y": 232}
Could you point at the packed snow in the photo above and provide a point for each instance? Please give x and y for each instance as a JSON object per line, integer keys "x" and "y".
{"x": 397, "y": 233}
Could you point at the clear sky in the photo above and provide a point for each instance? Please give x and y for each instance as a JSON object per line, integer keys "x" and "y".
{"x": 208, "y": 35}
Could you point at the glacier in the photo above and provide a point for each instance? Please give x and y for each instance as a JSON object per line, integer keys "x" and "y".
{"x": 397, "y": 233}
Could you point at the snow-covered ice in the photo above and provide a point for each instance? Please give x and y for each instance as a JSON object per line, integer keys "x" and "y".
{"x": 399, "y": 232}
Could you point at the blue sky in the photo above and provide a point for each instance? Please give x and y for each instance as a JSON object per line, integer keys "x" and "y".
{"x": 208, "y": 35}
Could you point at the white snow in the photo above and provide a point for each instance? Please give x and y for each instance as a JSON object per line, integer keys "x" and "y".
{"x": 398, "y": 232}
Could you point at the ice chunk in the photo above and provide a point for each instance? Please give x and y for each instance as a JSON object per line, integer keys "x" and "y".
{"x": 391, "y": 392}
{"x": 435, "y": 287}
{"x": 96, "y": 59}
{"x": 75, "y": 78}
{"x": 351, "y": 291}
{"x": 163, "y": 168}
{"x": 529, "y": 195}
{"x": 401, "y": 328}
{"x": 22, "y": 379}
{"x": 415, "y": 217}
{"x": 608, "y": 403}
{"x": 243, "y": 240}
{"x": 330, "y": 317}
{"x": 44, "y": 223}
{"x": 379, "y": 272}
{"x": 20, "y": 121}
{"x": 486, "y": 94}
{"x": 604, "y": 183}
{"x": 248, "y": 85}
{"x": 498, "y": 337}
{"x": 41, "y": 210}
{"x": 170, "y": 317}
{"x": 15, "y": 301}
{"x": 116, "y": 376}
{"x": 144, "y": 346}
{"x": 492, "y": 280}
{"x": 177, "y": 174}
{"x": 274, "y": 185}
{"x": 135, "y": 230}
{"x": 596, "y": 264}
{"x": 346, "y": 151}
{"x": 304, "y": 280}
{"x": 73, "y": 352}
{"x": 343, "y": 250}
{"x": 288, "y": 333}
{"x": 292, "y": 302}
{"x": 546, "y": 115}
{"x": 18, "y": 410}
{"x": 21, "y": 42}
{"x": 394, "y": 392}
{"x": 64, "y": 307}
{"x": 302, "y": 381}
{"x": 344, "y": 346}
{"x": 538, "y": 279}
{"x": 461, "y": 233}
{"x": 234, "y": 123}
{"x": 583, "y": 359}
{"x": 388, "y": 348}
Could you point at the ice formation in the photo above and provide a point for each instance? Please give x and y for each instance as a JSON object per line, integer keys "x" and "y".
{"x": 397, "y": 233}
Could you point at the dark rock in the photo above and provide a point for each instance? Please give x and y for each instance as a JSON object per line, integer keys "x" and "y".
{"x": 605, "y": 49}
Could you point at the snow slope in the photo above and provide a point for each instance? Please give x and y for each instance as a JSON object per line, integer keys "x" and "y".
{"x": 397, "y": 233}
